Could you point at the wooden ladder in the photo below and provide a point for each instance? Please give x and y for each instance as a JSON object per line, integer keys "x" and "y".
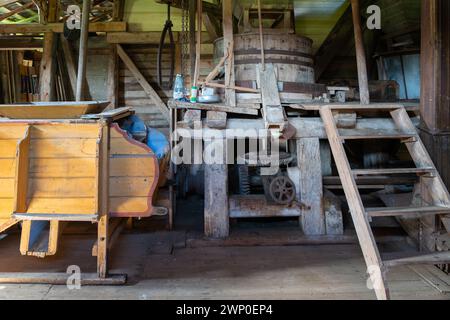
{"x": 438, "y": 198}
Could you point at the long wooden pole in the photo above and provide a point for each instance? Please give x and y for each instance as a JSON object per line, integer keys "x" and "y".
{"x": 360, "y": 54}
{"x": 198, "y": 45}
{"x": 261, "y": 39}
{"x": 82, "y": 57}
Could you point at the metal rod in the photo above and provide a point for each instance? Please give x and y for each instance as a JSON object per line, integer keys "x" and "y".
{"x": 82, "y": 57}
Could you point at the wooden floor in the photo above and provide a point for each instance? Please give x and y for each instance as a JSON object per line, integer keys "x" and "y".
{"x": 161, "y": 266}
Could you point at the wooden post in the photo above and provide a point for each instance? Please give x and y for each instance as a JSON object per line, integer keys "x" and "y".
{"x": 228, "y": 45}
{"x": 216, "y": 198}
{"x": 113, "y": 78}
{"x": 82, "y": 57}
{"x": 435, "y": 83}
{"x": 47, "y": 77}
{"x": 103, "y": 204}
{"x": 360, "y": 54}
{"x": 192, "y": 37}
{"x": 311, "y": 189}
{"x": 198, "y": 45}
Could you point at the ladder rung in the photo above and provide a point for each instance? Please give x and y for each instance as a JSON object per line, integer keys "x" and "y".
{"x": 409, "y": 211}
{"x": 376, "y": 172}
{"x": 432, "y": 258}
{"x": 398, "y": 136}
{"x": 373, "y": 107}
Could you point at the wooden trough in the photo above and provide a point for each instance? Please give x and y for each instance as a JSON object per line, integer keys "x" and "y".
{"x": 57, "y": 171}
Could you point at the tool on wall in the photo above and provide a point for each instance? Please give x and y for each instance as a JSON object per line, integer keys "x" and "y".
{"x": 167, "y": 30}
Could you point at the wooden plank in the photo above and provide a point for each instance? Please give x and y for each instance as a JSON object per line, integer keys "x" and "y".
{"x": 57, "y": 168}
{"x": 116, "y": 227}
{"x": 143, "y": 82}
{"x": 103, "y": 205}
{"x": 82, "y": 51}
{"x": 212, "y": 107}
{"x": 421, "y": 158}
{"x": 216, "y": 212}
{"x": 21, "y": 177}
{"x": 216, "y": 119}
{"x": 407, "y": 212}
{"x": 376, "y": 172}
{"x": 63, "y": 148}
{"x": 61, "y": 187}
{"x": 360, "y": 54}
{"x": 7, "y": 168}
{"x": 30, "y": 28}
{"x": 256, "y": 206}
{"x": 47, "y": 73}
{"x": 87, "y": 279}
{"x": 273, "y": 112}
{"x": 360, "y": 220}
{"x": 113, "y": 76}
{"x": 66, "y": 206}
{"x": 228, "y": 47}
{"x": 435, "y": 66}
{"x": 432, "y": 259}
{"x": 198, "y": 43}
{"x": 311, "y": 190}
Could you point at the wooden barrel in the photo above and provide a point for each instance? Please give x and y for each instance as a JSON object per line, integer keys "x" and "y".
{"x": 291, "y": 55}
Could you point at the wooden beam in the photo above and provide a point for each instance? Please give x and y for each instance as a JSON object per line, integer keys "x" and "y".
{"x": 228, "y": 51}
{"x": 82, "y": 52}
{"x": 148, "y": 37}
{"x": 192, "y": 38}
{"x": 435, "y": 66}
{"x": 113, "y": 78}
{"x": 29, "y": 28}
{"x": 207, "y": 6}
{"x": 103, "y": 203}
{"x": 212, "y": 26}
{"x": 311, "y": 189}
{"x": 53, "y": 11}
{"x": 198, "y": 44}
{"x": 216, "y": 213}
{"x": 47, "y": 73}
{"x": 143, "y": 82}
{"x": 360, "y": 54}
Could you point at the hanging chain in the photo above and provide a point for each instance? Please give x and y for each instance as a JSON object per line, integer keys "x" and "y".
{"x": 184, "y": 39}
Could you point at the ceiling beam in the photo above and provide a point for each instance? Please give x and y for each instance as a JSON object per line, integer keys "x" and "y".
{"x": 112, "y": 26}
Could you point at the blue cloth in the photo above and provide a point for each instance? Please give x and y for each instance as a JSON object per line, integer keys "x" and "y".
{"x": 157, "y": 142}
{"x": 134, "y": 126}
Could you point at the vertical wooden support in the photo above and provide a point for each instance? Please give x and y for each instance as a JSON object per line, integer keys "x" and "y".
{"x": 192, "y": 47}
{"x": 360, "y": 54}
{"x": 216, "y": 198}
{"x": 435, "y": 66}
{"x": 228, "y": 47}
{"x": 198, "y": 45}
{"x": 47, "y": 73}
{"x": 21, "y": 177}
{"x": 113, "y": 78}
{"x": 118, "y": 10}
{"x": 311, "y": 189}
{"x": 435, "y": 83}
{"x": 103, "y": 203}
{"x": 82, "y": 56}
{"x": 53, "y": 11}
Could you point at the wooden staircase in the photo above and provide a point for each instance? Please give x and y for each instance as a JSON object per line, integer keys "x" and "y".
{"x": 435, "y": 197}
